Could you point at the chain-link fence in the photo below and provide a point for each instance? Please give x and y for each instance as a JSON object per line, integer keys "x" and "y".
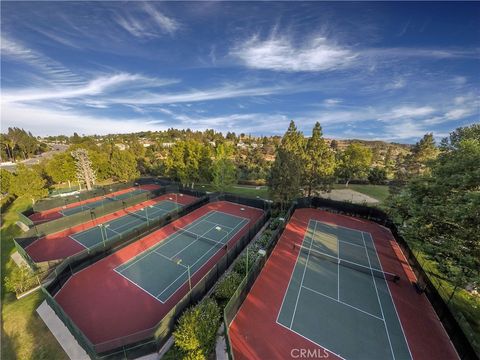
{"x": 149, "y": 340}
{"x": 459, "y": 331}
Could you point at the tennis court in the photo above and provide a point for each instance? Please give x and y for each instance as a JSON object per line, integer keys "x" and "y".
{"x": 338, "y": 272}
{"x": 166, "y": 266}
{"x": 106, "y": 231}
{"x": 101, "y": 202}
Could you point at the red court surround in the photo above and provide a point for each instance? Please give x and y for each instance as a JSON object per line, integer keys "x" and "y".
{"x": 105, "y": 306}
{"x": 255, "y": 335}
{"x": 52, "y": 214}
{"x": 59, "y": 245}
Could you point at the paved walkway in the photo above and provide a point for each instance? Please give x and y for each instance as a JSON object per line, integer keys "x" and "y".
{"x": 61, "y": 333}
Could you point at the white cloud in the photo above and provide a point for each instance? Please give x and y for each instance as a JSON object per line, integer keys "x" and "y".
{"x": 331, "y": 102}
{"x": 96, "y": 86}
{"x": 408, "y": 112}
{"x": 396, "y": 84}
{"x": 46, "y": 121}
{"x": 167, "y": 24}
{"x": 279, "y": 53}
{"x": 458, "y": 113}
{"x": 49, "y": 68}
{"x": 151, "y": 26}
{"x": 225, "y": 92}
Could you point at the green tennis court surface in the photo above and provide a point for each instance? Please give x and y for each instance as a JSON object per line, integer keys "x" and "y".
{"x": 166, "y": 266}
{"x": 98, "y": 203}
{"x": 106, "y": 231}
{"x": 343, "y": 305}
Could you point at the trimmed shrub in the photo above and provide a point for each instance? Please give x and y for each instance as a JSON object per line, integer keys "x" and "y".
{"x": 227, "y": 286}
{"x": 196, "y": 331}
{"x": 241, "y": 263}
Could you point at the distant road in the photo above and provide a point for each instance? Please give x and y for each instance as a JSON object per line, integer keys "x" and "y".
{"x": 56, "y": 148}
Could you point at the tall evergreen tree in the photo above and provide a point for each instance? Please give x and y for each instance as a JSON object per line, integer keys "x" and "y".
{"x": 423, "y": 152}
{"x": 284, "y": 181}
{"x": 319, "y": 162}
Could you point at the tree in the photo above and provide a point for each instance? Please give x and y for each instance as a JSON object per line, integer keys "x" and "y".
{"x": 123, "y": 165}
{"x": 175, "y": 162}
{"x": 284, "y": 181}
{"x": 293, "y": 140}
{"x": 196, "y": 331}
{"x": 28, "y": 183}
{"x": 205, "y": 164}
{"x": 61, "y": 168}
{"x": 83, "y": 165}
{"x": 224, "y": 171}
{"x": 319, "y": 162}
{"x": 441, "y": 209}
{"x": 423, "y": 152}
{"x": 20, "y": 279}
{"x": 6, "y": 179}
{"x": 377, "y": 175}
{"x": 354, "y": 162}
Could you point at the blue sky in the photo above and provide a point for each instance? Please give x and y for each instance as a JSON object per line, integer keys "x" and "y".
{"x": 389, "y": 71}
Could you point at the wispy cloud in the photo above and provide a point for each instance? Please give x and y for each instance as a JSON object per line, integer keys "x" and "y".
{"x": 15, "y": 51}
{"x": 44, "y": 121}
{"x": 396, "y": 84}
{"x": 408, "y": 112}
{"x": 216, "y": 93}
{"x": 150, "y": 23}
{"x": 331, "y": 102}
{"x": 280, "y": 53}
{"x": 96, "y": 86}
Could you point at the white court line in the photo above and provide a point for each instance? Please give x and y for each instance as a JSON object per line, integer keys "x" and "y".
{"x": 166, "y": 257}
{"x": 322, "y": 346}
{"x": 378, "y": 298}
{"x": 225, "y": 226}
{"x": 349, "y": 243}
{"x": 341, "y": 302}
{"x": 191, "y": 275}
{"x": 158, "y": 245}
{"x": 78, "y": 242}
{"x": 303, "y": 275}
{"x": 291, "y": 275}
{"x": 391, "y": 297}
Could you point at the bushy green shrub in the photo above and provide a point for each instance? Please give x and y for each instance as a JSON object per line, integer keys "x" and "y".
{"x": 241, "y": 263}
{"x": 196, "y": 331}
{"x": 275, "y": 224}
{"x": 227, "y": 286}
{"x": 20, "y": 280}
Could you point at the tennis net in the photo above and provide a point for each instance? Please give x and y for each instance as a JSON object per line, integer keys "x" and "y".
{"x": 352, "y": 265}
{"x": 137, "y": 215}
{"x": 195, "y": 236}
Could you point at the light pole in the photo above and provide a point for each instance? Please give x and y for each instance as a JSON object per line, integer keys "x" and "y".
{"x": 102, "y": 229}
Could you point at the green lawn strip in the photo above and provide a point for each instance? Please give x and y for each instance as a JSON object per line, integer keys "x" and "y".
{"x": 464, "y": 306}
{"x": 379, "y": 192}
{"x": 24, "y": 335}
{"x": 241, "y": 190}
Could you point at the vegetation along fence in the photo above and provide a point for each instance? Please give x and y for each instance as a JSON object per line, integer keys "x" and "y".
{"x": 149, "y": 340}
{"x": 461, "y": 340}
{"x": 40, "y": 230}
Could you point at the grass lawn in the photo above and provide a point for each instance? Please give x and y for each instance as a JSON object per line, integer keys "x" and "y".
{"x": 24, "y": 335}
{"x": 242, "y": 190}
{"x": 379, "y": 192}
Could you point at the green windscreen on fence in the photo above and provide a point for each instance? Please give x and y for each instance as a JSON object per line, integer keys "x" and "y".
{"x": 142, "y": 343}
